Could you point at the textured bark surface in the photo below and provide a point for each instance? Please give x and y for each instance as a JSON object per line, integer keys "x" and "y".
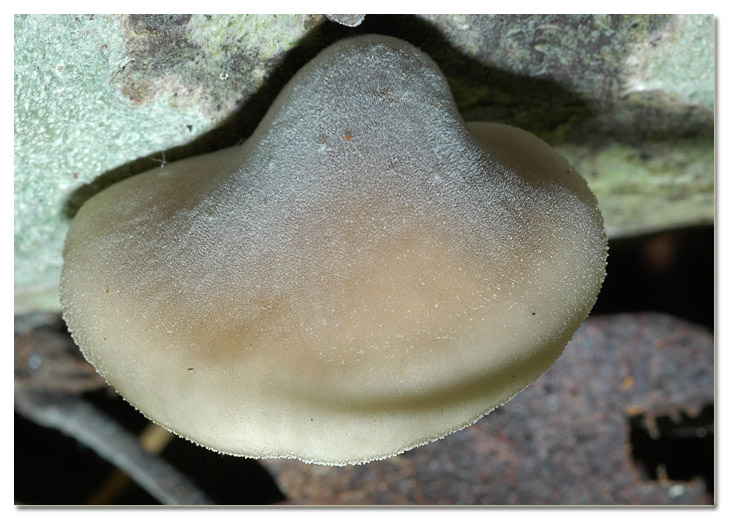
{"x": 629, "y": 100}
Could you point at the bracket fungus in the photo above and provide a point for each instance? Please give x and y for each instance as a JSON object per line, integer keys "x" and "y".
{"x": 365, "y": 274}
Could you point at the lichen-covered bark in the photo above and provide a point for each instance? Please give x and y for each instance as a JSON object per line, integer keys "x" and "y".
{"x": 628, "y": 99}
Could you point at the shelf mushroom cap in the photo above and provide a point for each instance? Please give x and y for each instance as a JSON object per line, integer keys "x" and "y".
{"x": 362, "y": 276}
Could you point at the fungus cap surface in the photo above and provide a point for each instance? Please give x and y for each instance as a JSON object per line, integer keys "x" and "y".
{"x": 364, "y": 275}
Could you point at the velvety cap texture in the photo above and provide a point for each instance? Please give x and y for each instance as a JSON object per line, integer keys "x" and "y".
{"x": 365, "y": 274}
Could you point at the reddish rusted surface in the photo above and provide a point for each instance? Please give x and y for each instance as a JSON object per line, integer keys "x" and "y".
{"x": 564, "y": 440}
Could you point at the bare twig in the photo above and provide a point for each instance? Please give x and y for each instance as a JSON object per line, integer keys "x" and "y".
{"x": 50, "y": 376}
{"x": 76, "y": 418}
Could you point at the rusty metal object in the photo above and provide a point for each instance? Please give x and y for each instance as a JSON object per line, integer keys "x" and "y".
{"x": 564, "y": 440}
{"x": 602, "y": 426}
